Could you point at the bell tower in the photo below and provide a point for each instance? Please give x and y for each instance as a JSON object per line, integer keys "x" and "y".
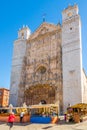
{"x": 19, "y": 53}
{"x": 71, "y": 56}
{"x": 24, "y": 33}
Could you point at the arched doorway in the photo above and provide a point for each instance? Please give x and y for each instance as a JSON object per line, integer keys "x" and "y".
{"x": 40, "y": 92}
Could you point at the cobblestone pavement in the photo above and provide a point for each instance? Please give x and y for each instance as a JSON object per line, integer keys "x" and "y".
{"x": 59, "y": 126}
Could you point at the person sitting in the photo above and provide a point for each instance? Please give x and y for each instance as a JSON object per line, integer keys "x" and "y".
{"x": 43, "y": 114}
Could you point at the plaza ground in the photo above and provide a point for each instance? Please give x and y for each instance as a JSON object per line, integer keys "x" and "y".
{"x": 59, "y": 126}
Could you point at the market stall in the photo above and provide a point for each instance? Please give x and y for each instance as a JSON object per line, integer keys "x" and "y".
{"x": 77, "y": 112}
{"x": 4, "y": 114}
{"x": 45, "y": 113}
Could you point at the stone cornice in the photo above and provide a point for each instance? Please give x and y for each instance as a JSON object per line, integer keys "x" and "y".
{"x": 70, "y": 20}
{"x": 18, "y": 40}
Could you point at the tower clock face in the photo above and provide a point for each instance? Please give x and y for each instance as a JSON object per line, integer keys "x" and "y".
{"x": 70, "y": 14}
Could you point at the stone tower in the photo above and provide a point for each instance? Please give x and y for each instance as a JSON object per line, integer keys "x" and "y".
{"x": 71, "y": 56}
{"x": 17, "y": 63}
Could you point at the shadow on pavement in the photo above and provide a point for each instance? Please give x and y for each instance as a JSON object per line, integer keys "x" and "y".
{"x": 47, "y": 127}
{"x": 62, "y": 122}
{"x": 22, "y": 124}
{"x": 17, "y": 124}
{"x": 1, "y": 123}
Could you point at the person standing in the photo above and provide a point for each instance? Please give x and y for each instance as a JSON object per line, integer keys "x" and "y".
{"x": 21, "y": 116}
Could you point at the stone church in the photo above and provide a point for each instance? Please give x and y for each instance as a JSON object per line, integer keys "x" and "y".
{"x": 47, "y": 64}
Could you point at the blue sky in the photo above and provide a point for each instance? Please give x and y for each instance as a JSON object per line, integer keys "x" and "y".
{"x": 16, "y": 13}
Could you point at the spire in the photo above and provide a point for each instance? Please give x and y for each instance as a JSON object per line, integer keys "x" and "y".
{"x": 59, "y": 24}
{"x": 44, "y": 17}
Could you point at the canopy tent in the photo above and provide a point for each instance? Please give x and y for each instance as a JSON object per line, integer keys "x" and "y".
{"x": 45, "y": 108}
{"x": 80, "y": 105}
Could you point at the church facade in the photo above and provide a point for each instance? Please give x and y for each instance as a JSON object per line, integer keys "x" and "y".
{"x": 47, "y": 64}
